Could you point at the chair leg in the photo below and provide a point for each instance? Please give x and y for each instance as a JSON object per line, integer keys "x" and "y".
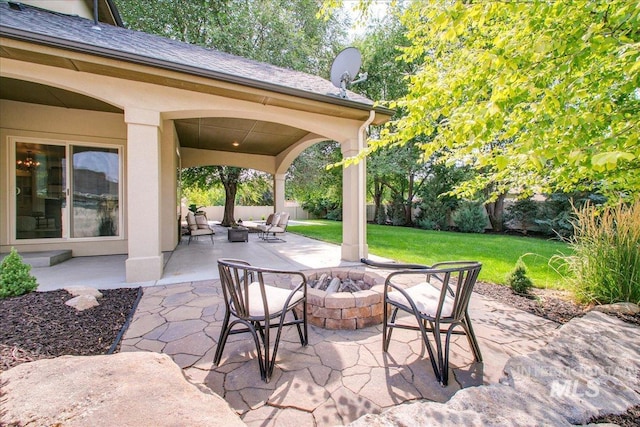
{"x": 425, "y": 338}
{"x": 222, "y": 340}
{"x": 443, "y": 370}
{"x": 387, "y": 323}
{"x": 301, "y": 334}
{"x": 471, "y": 337}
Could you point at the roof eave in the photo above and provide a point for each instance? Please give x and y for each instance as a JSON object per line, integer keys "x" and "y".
{"x": 50, "y": 41}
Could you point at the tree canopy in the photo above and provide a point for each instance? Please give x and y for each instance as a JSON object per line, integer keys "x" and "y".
{"x": 537, "y": 96}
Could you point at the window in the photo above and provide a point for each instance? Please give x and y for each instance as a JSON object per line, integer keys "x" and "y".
{"x": 48, "y": 208}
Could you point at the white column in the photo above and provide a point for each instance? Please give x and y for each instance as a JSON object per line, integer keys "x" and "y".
{"x": 278, "y": 191}
{"x": 145, "y": 262}
{"x": 354, "y": 220}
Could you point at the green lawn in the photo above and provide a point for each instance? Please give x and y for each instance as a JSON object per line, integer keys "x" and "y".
{"x": 498, "y": 253}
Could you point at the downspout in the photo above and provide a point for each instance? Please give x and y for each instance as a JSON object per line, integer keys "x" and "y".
{"x": 362, "y": 183}
{"x": 96, "y": 25}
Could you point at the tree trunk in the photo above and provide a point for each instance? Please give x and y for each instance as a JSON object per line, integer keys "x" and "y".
{"x": 495, "y": 211}
{"x": 409, "y": 203}
{"x": 230, "y": 190}
{"x": 378, "y": 191}
{"x": 229, "y": 177}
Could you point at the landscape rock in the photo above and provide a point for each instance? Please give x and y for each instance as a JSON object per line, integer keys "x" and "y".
{"x": 591, "y": 369}
{"x": 127, "y": 389}
{"x": 618, "y": 308}
{"x": 83, "y": 290}
{"x": 83, "y": 302}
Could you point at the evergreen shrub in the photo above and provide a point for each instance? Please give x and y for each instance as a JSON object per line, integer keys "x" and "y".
{"x": 15, "y": 276}
{"x": 518, "y": 279}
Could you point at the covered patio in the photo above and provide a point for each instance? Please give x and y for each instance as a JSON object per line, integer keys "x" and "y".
{"x": 340, "y": 376}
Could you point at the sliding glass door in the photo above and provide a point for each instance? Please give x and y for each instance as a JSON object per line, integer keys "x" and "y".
{"x": 67, "y": 191}
{"x": 40, "y": 190}
{"x": 95, "y": 198}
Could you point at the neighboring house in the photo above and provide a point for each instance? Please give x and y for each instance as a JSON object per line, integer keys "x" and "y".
{"x": 96, "y": 122}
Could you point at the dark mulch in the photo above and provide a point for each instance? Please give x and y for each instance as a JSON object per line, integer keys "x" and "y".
{"x": 39, "y": 325}
{"x": 550, "y": 304}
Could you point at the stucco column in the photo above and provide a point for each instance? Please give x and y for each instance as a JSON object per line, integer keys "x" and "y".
{"x": 278, "y": 191}
{"x": 354, "y": 219}
{"x": 143, "y": 195}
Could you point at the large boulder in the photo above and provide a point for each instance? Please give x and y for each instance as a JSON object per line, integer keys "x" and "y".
{"x": 126, "y": 389}
{"x": 590, "y": 369}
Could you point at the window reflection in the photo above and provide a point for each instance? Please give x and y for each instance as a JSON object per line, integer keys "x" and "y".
{"x": 95, "y": 202}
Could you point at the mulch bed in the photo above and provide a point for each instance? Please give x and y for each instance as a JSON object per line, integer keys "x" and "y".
{"x": 550, "y": 304}
{"x": 39, "y": 325}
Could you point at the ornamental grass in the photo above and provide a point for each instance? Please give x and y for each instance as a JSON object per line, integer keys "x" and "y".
{"x": 605, "y": 265}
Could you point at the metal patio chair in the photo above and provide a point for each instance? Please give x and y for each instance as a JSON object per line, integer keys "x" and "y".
{"x": 258, "y": 307}
{"x": 439, "y": 305}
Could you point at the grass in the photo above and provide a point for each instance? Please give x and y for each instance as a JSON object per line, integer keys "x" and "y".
{"x": 498, "y": 253}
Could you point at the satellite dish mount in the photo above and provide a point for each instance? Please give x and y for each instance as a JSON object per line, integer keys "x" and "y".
{"x": 344, "y": 69}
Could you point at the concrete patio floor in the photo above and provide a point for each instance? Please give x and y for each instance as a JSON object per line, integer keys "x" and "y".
{"x": 192, "y": 262}
{"x": 338, "y": 377}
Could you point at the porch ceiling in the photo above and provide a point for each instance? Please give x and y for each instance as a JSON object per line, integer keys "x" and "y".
{"x": 220, "y": 133}
{"x": 251, "y": 136}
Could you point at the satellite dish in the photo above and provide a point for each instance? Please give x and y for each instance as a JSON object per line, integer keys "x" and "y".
{"x": 344, "y": 69}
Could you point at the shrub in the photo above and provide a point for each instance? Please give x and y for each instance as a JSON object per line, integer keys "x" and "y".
{"x": 470, "y": 217}
{"x": 518, "y": 280}
{"x": 606, "y": 260}
{"x": 556, "y": 215}
{"x": 524, "y": 212}
{"x": 15, "y": 276}
{"x": 433, "y": 215}
{"x": 396, "y": 211}
{"x": 381, "y": 215}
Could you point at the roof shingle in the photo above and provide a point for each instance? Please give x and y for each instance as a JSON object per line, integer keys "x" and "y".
{"x": 127, "y": 44}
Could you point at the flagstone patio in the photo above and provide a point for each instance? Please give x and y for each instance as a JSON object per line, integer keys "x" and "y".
{"x": 339, "y": 376}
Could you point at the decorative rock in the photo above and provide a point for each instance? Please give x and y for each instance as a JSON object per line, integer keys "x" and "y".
{"x": 83, "y": 290}
{"x": 618, "y": 308}
{"x": 590, "y": 369}
{"x": 107, "y": 391}
{"x": 83, "y": 302}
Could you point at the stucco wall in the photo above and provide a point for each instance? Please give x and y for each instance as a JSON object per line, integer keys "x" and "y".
{"x": 19, "y": 119}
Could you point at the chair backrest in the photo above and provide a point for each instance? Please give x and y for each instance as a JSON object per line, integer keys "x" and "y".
{"x": 459, "y": 278}
{"x": 456, "y": 280}
{"x": 236, "y": 276}
{"x": 269, "y": 219}
{"x": 201, "y": 222}
{"x": 191, "y": 221}
{"x": 283, "y": 220}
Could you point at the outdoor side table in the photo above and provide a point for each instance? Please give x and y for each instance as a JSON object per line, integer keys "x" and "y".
{"x": 239, "y": 234}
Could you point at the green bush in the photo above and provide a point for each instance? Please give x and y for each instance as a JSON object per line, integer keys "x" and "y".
{"x": 433, "y": 216}
{"x": 470, "y": 217}
{"x": 15, "y": 276}
{"x": 381, "y": 215}
{"x": 524, "y": 212}
{"x": 605, "y": 265}
{"x": 396, "y": 211}
{"x": 556, "y": 215}
{"x": 518, "y": 279}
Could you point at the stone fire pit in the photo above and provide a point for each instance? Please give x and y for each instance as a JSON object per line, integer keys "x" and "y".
{"x": 345, "y": 310}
